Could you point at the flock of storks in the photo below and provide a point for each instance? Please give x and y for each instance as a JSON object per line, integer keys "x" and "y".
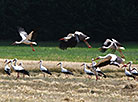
{"x": 110, "y": 46}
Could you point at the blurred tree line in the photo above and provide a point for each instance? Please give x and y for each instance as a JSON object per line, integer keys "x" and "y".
{"x": 100, "y": 19}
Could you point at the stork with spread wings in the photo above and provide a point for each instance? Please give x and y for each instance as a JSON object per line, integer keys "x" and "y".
{"x": 72, "y": 39}
{"x": 26, "y": 38}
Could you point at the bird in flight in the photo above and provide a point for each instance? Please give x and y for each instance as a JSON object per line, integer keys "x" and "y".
{"x": 26, "y": 38}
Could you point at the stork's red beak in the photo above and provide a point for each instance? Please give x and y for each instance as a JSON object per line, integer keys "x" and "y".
{"x": 13, "y": 44}
{"x": 61, "y": 39}
{"x": 124, "y": 66}
{"x": 58, "y": 64}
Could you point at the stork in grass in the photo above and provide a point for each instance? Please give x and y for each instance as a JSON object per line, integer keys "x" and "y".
{"x": 26, "y": 38}
{"x": 7, "y": 69}
{"x": 18, "y": 68}
{"x": 73, "y": 39}
{"x": 44, "y": 69}
{"x": 63, "y": 70}
{"x": 128, "y": 73}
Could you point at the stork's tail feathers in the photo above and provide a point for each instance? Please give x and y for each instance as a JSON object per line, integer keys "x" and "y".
{"x": 25, "y": 72}
{"x": 47, "y": 72}
{"x": 8, "y": 72}
{"x": 70, "y": 73}
{"x": 100, "y": 72}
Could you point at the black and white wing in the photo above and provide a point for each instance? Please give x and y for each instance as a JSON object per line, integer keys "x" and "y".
{"x": 118, "y": 44}
{"x": 22, "y": 33}
{"x": 64, "y": 44}
{"x": 81, "y": 36}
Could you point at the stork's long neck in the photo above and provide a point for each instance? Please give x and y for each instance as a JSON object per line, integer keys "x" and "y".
{"x": 18, "y": 42}
{"x": 125, "y": 69}
{"x": 41, "y": 64}
{"x": 6, "y": 63}
{"x": 61, "y": 66}
{"x": 12, "y": 64}
{"x": 130, "y": 67}
{"x": 15, "y": 63}
{"x": 84, "y": 67}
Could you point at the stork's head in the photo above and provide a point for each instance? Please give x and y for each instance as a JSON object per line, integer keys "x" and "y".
{"x": 15, "y": 59}
{"x": 6, "y": 61}
{"x": 130, "y": 62}
{"x": 83, "y": 64}
{"x": 10, "y": 61}
{"x": 14, "y": 43}
{"x": 20, "y": 64}
{"x": 40, "y": 61}
{"x": 59, "y": 63}
{"x": 125, "y": 65}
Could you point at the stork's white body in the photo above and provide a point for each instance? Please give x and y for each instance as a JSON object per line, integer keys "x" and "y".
{"x": 44, "y": 69}
{"x": 7, "y": 69}
{"x": 63, "y": 70}
{"x": 25, "y": 37}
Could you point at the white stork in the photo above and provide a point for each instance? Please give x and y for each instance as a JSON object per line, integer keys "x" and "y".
{"x": 72, "y": 39}
{"x": 63, "y": 70}
{"x": 26, "y": 38}
{"x": 134, "y": 71}
{"x": 7, "y": 69}
{"x": 113, "y": 44}
{"x": 98, "y": 70}
{"x": 87, "y": 71}
{"x": 18, "y": 68}
{"x": 127, "y": 73}
{"x": 44, "y": 69}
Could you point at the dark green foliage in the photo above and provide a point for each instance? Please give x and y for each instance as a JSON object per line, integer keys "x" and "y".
{"x": 53, "y": 19}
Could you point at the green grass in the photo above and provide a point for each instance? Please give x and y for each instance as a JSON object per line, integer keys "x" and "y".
{"x": 49, "y": 51}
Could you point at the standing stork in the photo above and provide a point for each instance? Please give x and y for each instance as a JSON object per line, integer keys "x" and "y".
{"x": 63, "y": 70}
{"x": 44, "y": 69}
{"x": 87, "y": 71}
{"x": 7, "y": 68}
{"x": 72, "y": 39}
{"x": 109, "y": 59}
{"x": 97, "y": 69}
{"x": 134, "y": 71}
{"x": 127, "y": 73}
{"x": 18, "y": 68}
{"x": 26, "y": 38}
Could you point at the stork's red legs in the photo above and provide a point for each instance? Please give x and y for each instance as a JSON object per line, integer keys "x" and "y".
{"x": 17, "y": 75}
{"x": 32, "y": 47}
{"x": 89, "y": 46}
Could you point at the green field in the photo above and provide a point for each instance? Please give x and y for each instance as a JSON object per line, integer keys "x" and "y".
{"x": 49, "y": 51}
{"x": 59, "y": 87}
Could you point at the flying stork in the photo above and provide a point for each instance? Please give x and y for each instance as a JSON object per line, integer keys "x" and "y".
{"x": 73, "y": 39}
{"x": 112, "y": 44}
{"x": 26, "y": 38}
